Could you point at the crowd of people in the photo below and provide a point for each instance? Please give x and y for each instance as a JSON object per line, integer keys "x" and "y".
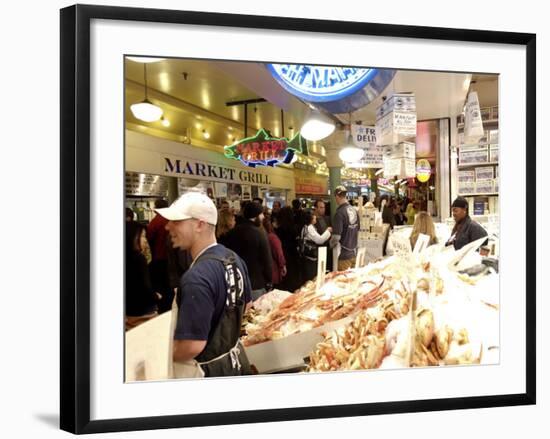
{"x": 214, "y": 261}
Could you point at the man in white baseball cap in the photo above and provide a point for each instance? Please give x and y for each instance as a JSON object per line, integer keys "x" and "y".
{"x": 212, "y": 297}
{"x": 188, "y": 234}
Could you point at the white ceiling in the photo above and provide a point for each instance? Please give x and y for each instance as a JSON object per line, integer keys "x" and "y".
{"x": 199, "y": 102}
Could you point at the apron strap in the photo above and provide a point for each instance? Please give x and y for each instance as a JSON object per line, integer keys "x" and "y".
{"x": 233, "y": 353}
{"x": 233, "y": 276}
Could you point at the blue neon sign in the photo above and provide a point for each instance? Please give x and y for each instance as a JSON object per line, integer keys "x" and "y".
{"x": 337, "y": 89}
{"x": 321, "y": 83}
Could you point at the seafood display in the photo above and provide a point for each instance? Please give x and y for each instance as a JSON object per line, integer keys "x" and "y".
{"x": 412, "y": 311}
{"x": 344, "y": 294}
{"x": 430, "y": 326}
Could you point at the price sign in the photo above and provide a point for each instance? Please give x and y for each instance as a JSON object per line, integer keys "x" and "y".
{"x": 321, "y": 267}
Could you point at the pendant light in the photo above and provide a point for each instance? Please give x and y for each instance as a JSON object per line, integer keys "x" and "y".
{"x": 350, "y": 153}
{"x": 317, "y": 126}
{"x": 146, "y": 110}
{"x": 144, "y": 59}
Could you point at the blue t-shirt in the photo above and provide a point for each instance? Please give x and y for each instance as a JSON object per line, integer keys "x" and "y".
{"x": 203, "y": 295}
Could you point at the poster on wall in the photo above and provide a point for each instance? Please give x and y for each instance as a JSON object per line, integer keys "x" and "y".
{"x": 234, "y": 191}
{"x": 187, "y": 185}
{"x": 220, "y": 190}
{"x": 246, "y": 192}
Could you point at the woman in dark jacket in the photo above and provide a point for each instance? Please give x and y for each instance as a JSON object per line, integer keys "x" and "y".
{"x": 140, "y": 297}
{"x": 278, "y": 267}
{"x": 287, "y": 233}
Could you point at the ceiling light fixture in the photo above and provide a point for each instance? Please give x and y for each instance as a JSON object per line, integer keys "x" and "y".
{"x": 317, "y": 126}
{"x": 350, "y": 153}
{"x": 144, "y": 59}
{"x": 146, "y": 110}
{"x": 205, "y": 134}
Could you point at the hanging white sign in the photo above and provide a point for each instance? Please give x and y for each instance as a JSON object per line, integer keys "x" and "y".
{"x": 473, "y": 125}
{"x": 364, "y": 137}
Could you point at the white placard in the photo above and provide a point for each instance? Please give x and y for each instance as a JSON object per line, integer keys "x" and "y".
{"x": 321, "y": 266}
{"x": 395, "y": 127}
{"x": 473, "y": 125}
{"x": 421, "y": 244}
{"x": 360, "y": 259}
{"x": 401, "y": 244}
{"x": 365, "y": 137}
{"x": 335, "y": 256}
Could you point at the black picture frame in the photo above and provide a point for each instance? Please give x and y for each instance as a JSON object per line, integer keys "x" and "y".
{"x": 75, "y": 217}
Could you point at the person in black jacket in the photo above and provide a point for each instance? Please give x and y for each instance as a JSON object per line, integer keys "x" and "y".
{"x": 465, "y": 230}
{"x": 141, "y": 300}
{"x": 249, "y": 241}
{"x": 387, "y": 211}
{"x": 286, "y": 231}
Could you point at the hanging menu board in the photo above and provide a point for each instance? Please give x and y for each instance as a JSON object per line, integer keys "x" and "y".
{"x": 146, "y": 185}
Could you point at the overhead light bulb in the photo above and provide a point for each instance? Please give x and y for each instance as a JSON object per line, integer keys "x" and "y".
{"x": 206, "y": 134}
{"x": 146, "y": 110}
{"x": 317, "y": 126}
{"x": 165, "y": 122}
{"x": 350, "y": 153}
{"x": 144, "y": 59}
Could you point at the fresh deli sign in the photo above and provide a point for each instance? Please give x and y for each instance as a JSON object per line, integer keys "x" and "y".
{"x": 205, "y": 171}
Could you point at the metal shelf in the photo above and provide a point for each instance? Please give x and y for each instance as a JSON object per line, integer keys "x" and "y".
{"x": 488, "y": 194}
{"x": 478, "y": 146}
{"x": 475, "y": 165}
{"x": 489, "y": 121}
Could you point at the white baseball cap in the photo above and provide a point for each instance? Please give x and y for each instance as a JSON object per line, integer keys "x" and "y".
{"x": 191, "y": 205}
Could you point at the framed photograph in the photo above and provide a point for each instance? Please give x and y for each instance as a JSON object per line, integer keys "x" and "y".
{"x": 159, "y": 105}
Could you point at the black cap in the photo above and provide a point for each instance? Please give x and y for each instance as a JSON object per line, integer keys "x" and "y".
{"x": 460, "y": 202}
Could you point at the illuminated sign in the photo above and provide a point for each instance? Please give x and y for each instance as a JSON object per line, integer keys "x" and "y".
{"x": 336, "y": 89}
{"x": 321, "y": 83}
{"x": 423, "y": 170}
{"x": 264, "y": 150}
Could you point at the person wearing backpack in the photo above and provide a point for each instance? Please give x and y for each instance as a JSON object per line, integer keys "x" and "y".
{"x": 309, "y": 243}
{"x": 214, "y": 293}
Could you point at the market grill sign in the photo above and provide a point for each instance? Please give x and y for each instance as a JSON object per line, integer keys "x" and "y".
{"x": 197, "y": 169}
{"x": 264, "y": 150}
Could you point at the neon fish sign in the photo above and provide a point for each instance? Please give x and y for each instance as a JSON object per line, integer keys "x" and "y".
{"x": 264, "y": 150}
